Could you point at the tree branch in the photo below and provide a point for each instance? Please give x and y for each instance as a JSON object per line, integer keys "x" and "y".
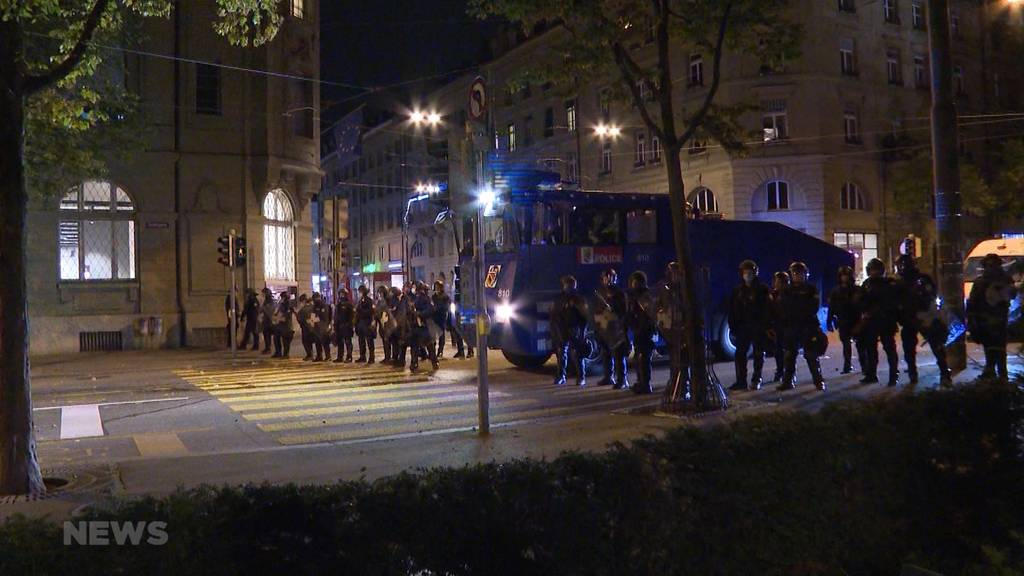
{"x": 716, "y": 77}
{"x": 624, "y": 61}
{"x": 36, "y": 82}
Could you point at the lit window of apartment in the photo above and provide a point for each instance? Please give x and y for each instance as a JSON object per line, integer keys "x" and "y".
{"x": 298, "y": 8}
{"x": 774, "y": 121}
{"x": 890, "y": 9}
{"x": 641, "y": 149}
{"x": 696, "y": 70}
{"x": 847, "y": 6}
{"x": 655, "y": 149}
{"x": 570, "y": 115}
{"x": 851, "y": 128}
{"x": 847, "y": 57}
{"x": 893, "y": 66}
{"x": 920, "y": 72}
{"x": 606, "y": 158}
{"x": 777, "y": 192}
{"x": 917, "y": 14}
{"x": 511, "y": 137}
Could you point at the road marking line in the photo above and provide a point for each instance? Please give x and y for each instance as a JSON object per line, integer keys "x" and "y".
{"x": 159, "y": 444}
{"x": 80, "y": 421}
{"x": 388, "y": 384}
{"x": 383, "y": 416}
{"x": 242, "y": 387}
{"x": 180, "y": 398}
{"x": 345, "y": 395}
{"x": 280, "y": 375}
{"x": 335, "y": 409}
{"x": 291, "y": 440}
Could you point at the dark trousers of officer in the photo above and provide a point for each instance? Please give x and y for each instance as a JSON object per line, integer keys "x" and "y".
{"x": 936, "y": 339}
{"x": 322, "y": 346}
{"x": 250, "y": 331}
{"x": 869, "y": 343}
{"x": 457, "y": 340}
{"x": 268, "y": 338}
{"x": 343, "y": 340}
{"x": 397, "y": 345}
{"x": 227, "y": 333}
{"x": 615, "y": 364}
{"x": 846, "y": 339}
{"x": 570, "y": 353}
{"x": 307, "y": 341}
{"x": 994, "y": 340}
{"x": 283, "y": 343}
{"x": 793, "y": 342}
{"x": 643, "y": 358}
{"x": 752, "y": 342}
{"x": 779, "y": 353}
{"x": 440, "y": 343}
{"x": 366, "y": 343}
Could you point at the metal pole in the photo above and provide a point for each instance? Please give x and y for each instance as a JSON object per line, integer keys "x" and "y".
{"x": 232, "y": 304}
{"x": 945, "y": 162}
{"x": 482, "y": 321}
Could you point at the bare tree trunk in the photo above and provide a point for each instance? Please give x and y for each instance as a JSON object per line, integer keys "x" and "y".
{"x": 19, "y": 469}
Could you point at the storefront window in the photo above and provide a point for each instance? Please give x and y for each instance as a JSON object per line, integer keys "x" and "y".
{"x": 863, "y": 246}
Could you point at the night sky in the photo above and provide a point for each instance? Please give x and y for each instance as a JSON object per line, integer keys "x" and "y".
{"x": 384, "y": 42}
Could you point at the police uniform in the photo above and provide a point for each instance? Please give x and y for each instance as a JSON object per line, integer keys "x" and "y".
{"x": 568, "y": 333}
{"x": 366, "y": 329}
{"x": 642, "y": 321}
{"x": 344, "y": 321}
{"x": 303, "y": 313}
{"x": 778, "y": 350}
{"x": 283, "y": 330}
{"x": 251, "y": 314}
{"x": 843, "y": 314}
{"x": 382, "y": 313}
{"x": 442, "y": 310}
{"x": 748, "y": 323}
{"x": 267, "y": 310}
{"x": 988, "y": 310}
{"x": 423, "y": 333}
{"x": 610, "y": 327}
{"x": 879, "y": 313}
{"x": 399, "y": 336}
{"x": 320, "y": 327}
{"x": 800, "y": 329}
{"x": 919, "y": 314}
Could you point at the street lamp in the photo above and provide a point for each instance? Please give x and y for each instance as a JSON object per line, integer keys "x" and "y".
{"x": 431, "y": 118}
{"x": 607, "y": 131}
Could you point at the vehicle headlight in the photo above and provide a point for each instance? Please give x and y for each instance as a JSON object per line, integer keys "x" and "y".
{"x": 503, "y": 312}
{"x": 451, "y": 307}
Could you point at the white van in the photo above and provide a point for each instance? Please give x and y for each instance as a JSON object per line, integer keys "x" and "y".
{"x": 1010, "y": 248}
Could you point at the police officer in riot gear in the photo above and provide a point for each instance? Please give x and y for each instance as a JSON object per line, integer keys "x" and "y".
{"x": 251, "y": 315}
{"x": 283, "y": 331}
{"x": 988, "y": 310}
{"x": 344, "y": 325}
{"x": 780, "y": 282}
{"x": 267, "y": 310}
{"x": 748, "y": 323}
{"x": 386, "y": 324}
{"x": 610, "y": 326}
{"x": 424, "y": 332}
{"x": 879, "y": 313}
{"x": 800, "y": 328}
{"x": 919, "y": 314}
{"x": 568, "y": 332}
{"x": 303, "y": 313}
{"x": 641, "y": 319}
{"x": 844, "y": 313}
{"x": 442, "y": 310}
{"x": 366, "y": 327}
{"x": 320, "y": 326}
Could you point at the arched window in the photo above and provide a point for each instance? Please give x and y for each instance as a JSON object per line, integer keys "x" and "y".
{"x": 278, "y": 237}
{"x": 777, "y": 192}
{"x": 96, "y": 233}
{"x": 703, "y": 199}
{"x": 851, "y": 198}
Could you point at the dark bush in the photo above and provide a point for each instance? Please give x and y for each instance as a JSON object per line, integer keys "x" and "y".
{"x": 935, "y": 479}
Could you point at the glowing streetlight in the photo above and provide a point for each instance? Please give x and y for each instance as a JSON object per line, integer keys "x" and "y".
{"x": 431, "y": 118}
{"x": 417, "y": 117}
{"x": 607, "y": 131}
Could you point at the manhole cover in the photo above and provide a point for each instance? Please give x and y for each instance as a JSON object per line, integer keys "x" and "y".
{"x": 65, "y": 481}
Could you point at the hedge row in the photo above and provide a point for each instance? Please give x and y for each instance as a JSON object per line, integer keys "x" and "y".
{"x": 936, "y": 480}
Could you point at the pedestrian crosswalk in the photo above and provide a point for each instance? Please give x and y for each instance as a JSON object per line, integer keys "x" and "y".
{"x": 302, "y": 403}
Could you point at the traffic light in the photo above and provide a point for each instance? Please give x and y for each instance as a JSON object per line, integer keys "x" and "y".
{"x": 342, "y": 255}
{"x": 240, "y": 251}
{"x": 227, "y": 255}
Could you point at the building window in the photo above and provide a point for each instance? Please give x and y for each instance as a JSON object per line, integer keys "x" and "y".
{"x": 572, "y": 168}
{"x": 847, "y": 6}
{"x": 606, "y": 158}
{"x": 703, "y": 199}
{"x": 512, "y": 137}
{"x": 778, "y": 195}
{"x": 697, "y": 146}
{"x": 208, "y": 89}
{"x": 549, "y": 122}
{"x": 696, "y": 70}
{"x": 958, "y": 80}
{"x": 278, "y": 237}
{"x": 920, "y": 72}
{"x": 655, "y": 149}
{"x": 851, "y": 198}
{"x": 851, "y": 131}
{"x": 954, "y": 24}
{"x": 891, "y": 11}
{"x": 641, "y": 149}
{"x": 96, "y": 233}
{"x": 864, "y": 248}
{"x": 570, "y": 115}
{"x": 917, "y": 14}
{"x": 298, "y": 8}
{"x": 893, "y": 66}
{"x": 774, "y": 122}
{"x": 847, "y": 57}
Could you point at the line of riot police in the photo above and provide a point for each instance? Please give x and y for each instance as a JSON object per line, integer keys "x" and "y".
{"x": 411, "y": 324}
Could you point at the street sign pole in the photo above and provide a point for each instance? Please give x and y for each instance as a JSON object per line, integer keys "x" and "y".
{"x": 482, "y": 328}
{"x": 233, "y": 304}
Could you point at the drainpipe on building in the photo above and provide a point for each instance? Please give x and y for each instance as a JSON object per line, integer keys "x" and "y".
{"x": 179, "y": 280}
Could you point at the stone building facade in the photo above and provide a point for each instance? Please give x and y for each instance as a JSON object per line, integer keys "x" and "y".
{"x": 131, "y": 260}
